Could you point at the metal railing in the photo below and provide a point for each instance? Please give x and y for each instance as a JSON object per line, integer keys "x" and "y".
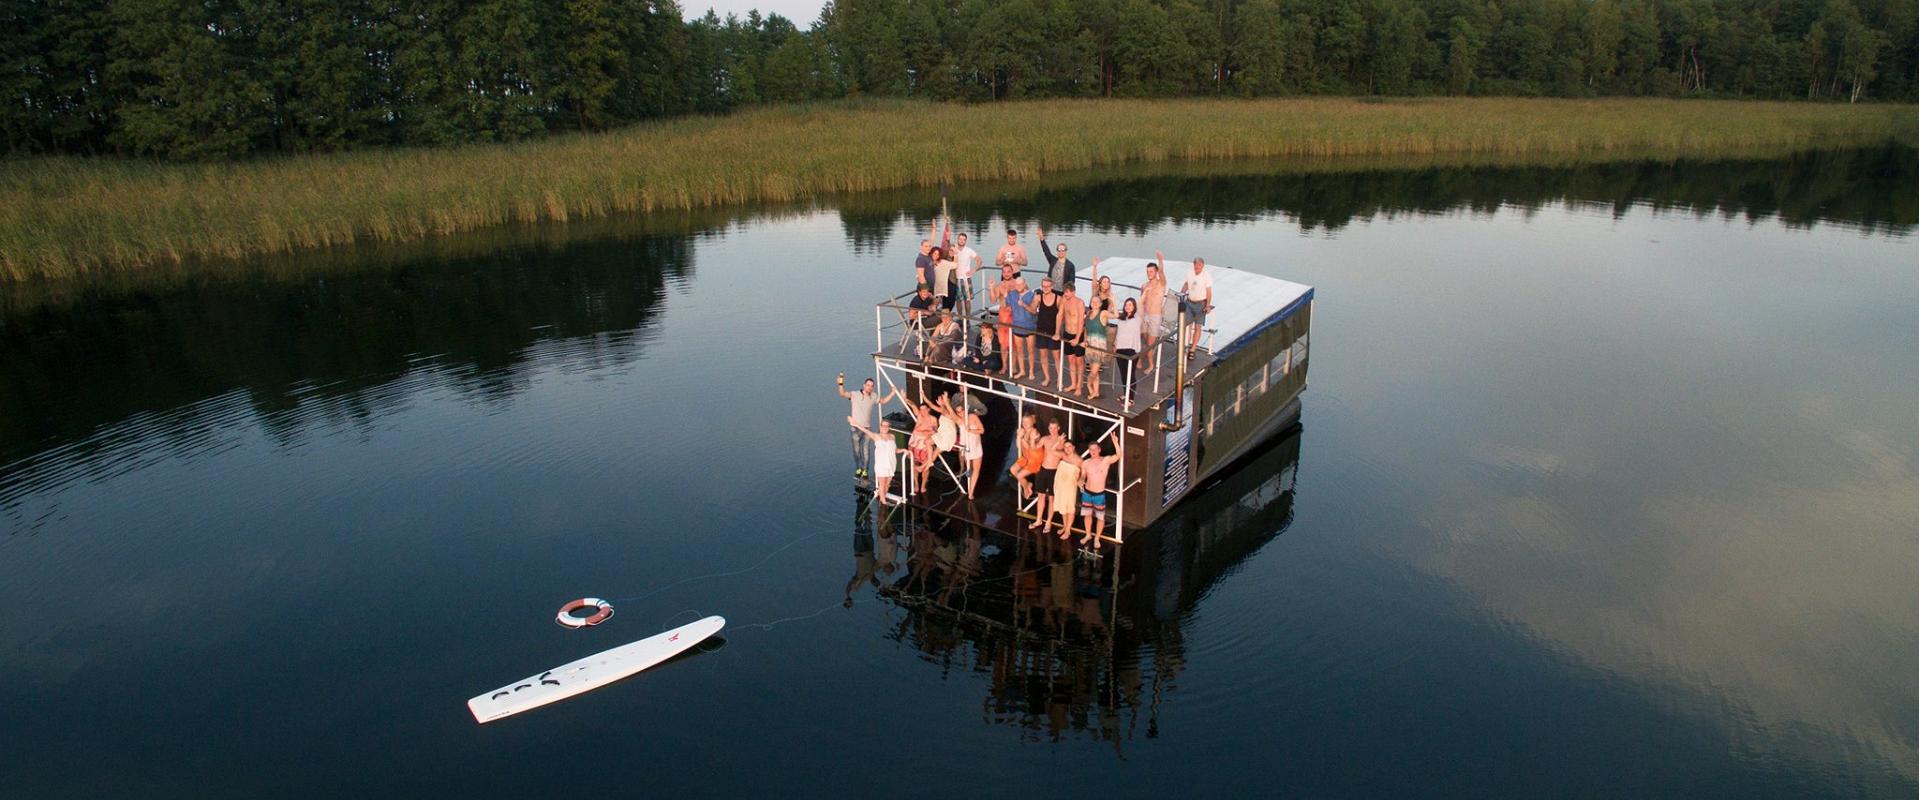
{"x": 1120, "y": 371}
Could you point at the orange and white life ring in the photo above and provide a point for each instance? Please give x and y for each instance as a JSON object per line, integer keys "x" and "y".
{"x": 603, "y": 612}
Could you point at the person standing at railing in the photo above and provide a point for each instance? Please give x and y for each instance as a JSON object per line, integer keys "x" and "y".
{"x": 1007, "y": 295}
{"x": 1093, "y": 491}
{"x": 865, "y": 405}
{"x": 945, "y": 283}
{"x": 1098, "y": 347}
{"x": 967, "y": 425}
{"x": 1045, "y": 305}
{"x": 966, "y": 262}
{"x": 886, "y": 455}
{"x": 1073, "y": 339}
{"x": 1012, "y": 254}
{"x": 1051, "y": 446}
{"x": 1059, "y": 267}
{"x": 1126, "y": 343}
{"x": 923, "y": 264}
{"x": 1198, "y": 294}
{"x": 1153, "y": 302}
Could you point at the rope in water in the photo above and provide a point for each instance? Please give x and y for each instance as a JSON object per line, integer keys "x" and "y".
{"x": 761, "y": 563}
{"x": 771, "y": 624}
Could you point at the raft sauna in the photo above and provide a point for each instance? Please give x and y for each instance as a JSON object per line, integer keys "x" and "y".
{"x": 1182, "y": 424}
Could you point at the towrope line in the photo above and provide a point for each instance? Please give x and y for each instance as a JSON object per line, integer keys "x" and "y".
{"x": 684, "y": 581}
{"x": 771, "y": 624}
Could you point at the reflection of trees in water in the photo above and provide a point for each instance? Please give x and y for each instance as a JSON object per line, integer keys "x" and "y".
{"x": 180, "y": 357}
{"x": 1072, "y": 647}
{"x": 1868, "y": 189}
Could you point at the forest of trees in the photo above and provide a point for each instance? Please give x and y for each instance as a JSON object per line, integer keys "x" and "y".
{"x": 196, "y": 79}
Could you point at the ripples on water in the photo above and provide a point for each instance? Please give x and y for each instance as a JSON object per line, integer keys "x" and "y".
{"x": 1605, "y": 487}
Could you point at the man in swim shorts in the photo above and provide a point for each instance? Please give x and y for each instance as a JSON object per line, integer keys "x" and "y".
{"x": 1198, "y": 292}
{"x": 1073, "y": 339}
{"x": 1093, "y": 492}
{"x": 1052, "y": 446}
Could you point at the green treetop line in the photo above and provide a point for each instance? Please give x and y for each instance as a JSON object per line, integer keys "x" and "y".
{"x": 197, "y": 79}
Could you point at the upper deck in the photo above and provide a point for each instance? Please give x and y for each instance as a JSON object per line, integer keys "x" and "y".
{"x": 1244, "y": 303}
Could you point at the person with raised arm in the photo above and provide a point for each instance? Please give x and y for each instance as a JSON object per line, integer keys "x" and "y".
{"x": 1093, "y": 489}
{"x": 1059, "y": 267}
{"x": 923, "y": 264}
{"x": 886, "y": 456}
{"x": 865, "y": 405}
{"x": 968, "y": 425}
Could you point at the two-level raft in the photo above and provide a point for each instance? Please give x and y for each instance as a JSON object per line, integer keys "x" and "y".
{"x": 1181, "y": 425}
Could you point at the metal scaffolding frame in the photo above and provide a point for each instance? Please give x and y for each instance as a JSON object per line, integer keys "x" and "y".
{"x": 887, "y": 367}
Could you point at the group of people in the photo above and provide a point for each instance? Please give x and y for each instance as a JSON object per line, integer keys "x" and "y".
{"x": 1050, "y": 331}
{"x": 1059, "y": 482}
{"x": 1047, "y": 332}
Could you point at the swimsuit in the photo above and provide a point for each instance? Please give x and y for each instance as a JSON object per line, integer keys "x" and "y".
{"x": 1044, "y": 320}
{"x": 1031, "y": 458}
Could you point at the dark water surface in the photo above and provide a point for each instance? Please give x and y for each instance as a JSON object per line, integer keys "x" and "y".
{"x": 1605, "y": 486}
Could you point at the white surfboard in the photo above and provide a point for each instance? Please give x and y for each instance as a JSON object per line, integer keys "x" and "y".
{"x": 590, "y": 673}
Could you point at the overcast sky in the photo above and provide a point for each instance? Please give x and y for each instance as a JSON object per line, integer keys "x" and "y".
{"x": 802, "y": 12}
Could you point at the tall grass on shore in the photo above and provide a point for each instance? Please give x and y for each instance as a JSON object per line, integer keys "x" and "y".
{"x": 62, "y": 216}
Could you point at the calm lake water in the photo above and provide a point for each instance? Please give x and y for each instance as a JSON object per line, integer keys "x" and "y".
{"x": 1604, "y": 486}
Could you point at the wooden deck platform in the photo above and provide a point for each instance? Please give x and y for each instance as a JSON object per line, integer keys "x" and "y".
{"x": 1109, "y": 401}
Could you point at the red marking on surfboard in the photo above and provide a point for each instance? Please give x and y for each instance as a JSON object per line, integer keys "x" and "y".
{"x": 674, "y": 638}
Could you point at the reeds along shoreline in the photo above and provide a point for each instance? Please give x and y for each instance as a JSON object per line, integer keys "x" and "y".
{"x": 64, "y": 216}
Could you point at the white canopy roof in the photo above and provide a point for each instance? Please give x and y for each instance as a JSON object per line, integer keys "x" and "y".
{"x": 1243, "y": 302}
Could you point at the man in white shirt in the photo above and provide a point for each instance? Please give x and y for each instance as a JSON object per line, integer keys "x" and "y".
{"x": 1197, "y": 301}
{"x": 966, "y": 261}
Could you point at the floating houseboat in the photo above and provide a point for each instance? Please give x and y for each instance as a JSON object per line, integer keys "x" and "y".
{"x": 1194, "y": 407}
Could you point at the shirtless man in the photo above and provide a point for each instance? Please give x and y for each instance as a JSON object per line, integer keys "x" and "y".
{"x": 1153, "y": 304}
{"x": 1052, "y": 446}
{"x": 1093, "y": 491}
{"x": 1072, "y": 332}
{"x": 1012, "y": 254}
